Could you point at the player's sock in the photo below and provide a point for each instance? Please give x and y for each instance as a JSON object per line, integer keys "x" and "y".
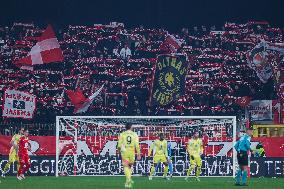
{"x": 244, "y": 177}
{"x": 130, "y": 175}
{"x": 238, "y": 176}
{"x": 127, "y": 174}
{"x": 18, "y": 166}
{"x": 190, "y": 170}
{"x": 166, "y": 169}
{"x": 198, "y": 171}
{"x": 7, "y": 166}
{"x": 152, "y": 171}
{"x": 156, "y": 169}
{"x": 26, "y": 167}
{"x": 20, "y": 171}
{"x": 171, "y": 168}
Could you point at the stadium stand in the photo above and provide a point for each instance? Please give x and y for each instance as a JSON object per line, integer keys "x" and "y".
{"x": 123, "y": 59}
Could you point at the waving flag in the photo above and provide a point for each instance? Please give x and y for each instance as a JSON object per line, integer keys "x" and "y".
{"x": 80, "y": 102}
{"x": 243, "y": 101}
{"x": 18, "y": 104}
{"x": 45, "y": 51}
{"x": 171, "y": 44}
{"x": 258, "y": 61}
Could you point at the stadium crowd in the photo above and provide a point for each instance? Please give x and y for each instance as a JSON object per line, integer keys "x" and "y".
{"x": 123, "y": 59}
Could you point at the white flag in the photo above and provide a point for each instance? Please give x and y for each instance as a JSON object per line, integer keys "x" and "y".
{"x": 18, "y": 104}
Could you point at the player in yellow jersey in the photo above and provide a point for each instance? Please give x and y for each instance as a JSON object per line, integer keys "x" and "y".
{"x": 160, "y": 155}
{"x": 128, "y": 142}
{"x": 13, "y": 155}
{"x": 195, "y": 150}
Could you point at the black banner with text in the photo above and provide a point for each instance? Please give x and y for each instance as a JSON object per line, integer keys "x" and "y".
{"x": 111, "y": 165}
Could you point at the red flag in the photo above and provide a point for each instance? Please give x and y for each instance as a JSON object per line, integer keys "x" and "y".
{"x": 243, "y": 101}
{"x": 80, "y": 102}
{"x": 77, "y": 97}
{"x": 46, "y": 50}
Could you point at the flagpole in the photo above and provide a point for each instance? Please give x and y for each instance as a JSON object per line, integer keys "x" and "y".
{"x": 280, "y": 111}
{"x": 77, "y": 82}
{"x": 247, "y": 118}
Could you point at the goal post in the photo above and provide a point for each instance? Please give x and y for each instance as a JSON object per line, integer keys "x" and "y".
{"x": 86, "y": 145}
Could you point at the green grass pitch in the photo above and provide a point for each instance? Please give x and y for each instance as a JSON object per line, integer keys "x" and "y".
{"x": 140, "y": 183}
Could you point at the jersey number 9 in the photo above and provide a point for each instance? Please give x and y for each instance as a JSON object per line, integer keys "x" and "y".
{"x": 128, "y": 139}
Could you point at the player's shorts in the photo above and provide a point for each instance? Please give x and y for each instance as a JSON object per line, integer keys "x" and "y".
{"x": 195, "y": 160}
{"x": 128, "y": 157}
{"x": 13, "y": 156}
{"x": 24, "y": 159}
{"x": 242, "y": 157}
{"x": 160, "y": 158}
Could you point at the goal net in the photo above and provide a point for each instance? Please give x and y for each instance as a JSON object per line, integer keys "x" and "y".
{"x": 87, "y": 145}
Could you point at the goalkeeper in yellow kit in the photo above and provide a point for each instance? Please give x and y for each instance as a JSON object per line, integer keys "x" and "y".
{"x": 160, "y": 155}
{"x": 128, "y": 142}
{"x": 195, "y": 150}
{"x": 13, "y": 155}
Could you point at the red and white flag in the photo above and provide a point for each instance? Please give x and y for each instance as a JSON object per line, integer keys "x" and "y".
{"x": 46, "y": 50}
{"x": 80, "y": 102}
{"x": 18, "y": 104}
{"x": 243, "y": 101}
{"x": 171, "y": 43}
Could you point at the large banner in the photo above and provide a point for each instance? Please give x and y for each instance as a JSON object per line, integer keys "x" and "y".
{"x": 40, "y": 166}
{"x": 111, "y": 165}
{"x": 92, "y": 145}
{"x": 18, "y": 104}
{"x": 169, "y": 79}
{"x": 98, "y": 156}
{"x": 40, "y": 145}
{"x": 261, "y": 110}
